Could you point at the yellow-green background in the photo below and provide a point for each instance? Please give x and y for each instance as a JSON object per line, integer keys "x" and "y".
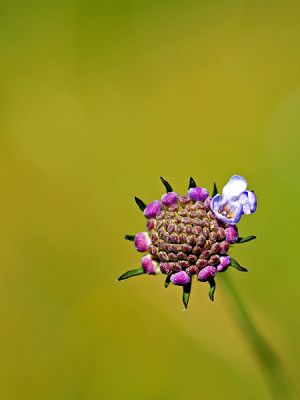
{"x": 97, "y": 100}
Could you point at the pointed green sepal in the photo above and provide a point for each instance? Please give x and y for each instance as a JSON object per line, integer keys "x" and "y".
{"x": 192, "y": 183}
{"x": 215, "y": 190}
{"x": 166, "y": 185}
{"x": 245, "y": 239}
{"x": 236, "y": 265}
{"x": 129, "y": 274}
{"x": 140, "y": 203}
{"x": 129, "y": 237}
{"x": 186, "y": 294}
{"x": 167, "y": 281}
{"x": 212, "y": 284}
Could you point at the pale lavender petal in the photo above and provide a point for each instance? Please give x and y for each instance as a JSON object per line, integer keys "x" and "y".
{"x": 233, "y": 188}
{"x": 249, "y": 202}
{"x": 207, "y": 273}
{"x": 169, "y": 198}
{"x": 150, "y": 266}
{"x": 142, "y": 241}
{"x": 152, "y": 209}
{"x": 252, "y": 201}
{"x": 231, "y": 233}
{"x": 180, "y": 278}
{"x": 215, "y": 203}
{"x": 198, "y": 194}
{"x": 238, "y": 212}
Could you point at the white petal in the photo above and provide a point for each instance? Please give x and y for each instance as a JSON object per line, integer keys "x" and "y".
{"x": 238, "y": 213}
{"x": 234, "y": 187}
{"x": 252, "y": 201}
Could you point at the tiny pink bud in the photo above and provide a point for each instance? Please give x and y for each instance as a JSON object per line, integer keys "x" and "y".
{"x": 224, "y": 263}
{"x": 165, "y": 267}
{"x": 198, "y": 194}
{"x": 193, "y": 270}
{"x": 169, "y": 198}
{"x": 152, "y": 210}
{"x": 206, "y": 273}
{"x": 207, "y": 202}
{"x": 201, "y": 263}
{"x": 150, "y": 266}
{"x": 142, "y": 241}
{"x": 231, "y": 233}
{"x": 224, "y": 247}
{"x": 180, "y": 278}
{"x": 151, "y": 223}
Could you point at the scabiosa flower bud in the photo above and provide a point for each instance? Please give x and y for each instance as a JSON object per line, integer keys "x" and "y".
{"x": 174, "y": 238}
{"x": 224, "y": 263}
{"x": 150, "y": 266}
{"x": 192, "y": 270}
{"x": 184, "y": 199}
{"x": 163, "y": 256}
{"x": 206, "y": 273}
{"x": 191, "y": 234}
{"x": 153, "y": 250}
{"x": 173, "y": 257}
{"x": 184, "y": 264}
{"x": 214, "y": 260}
{"x": 180, "y": 278}
{"x": 201, "y": 263}
{"x": 207, "y": 203}
{"x": 165, "y": 267}
{"x": 175, "y": 266}
{"x": 152, "y": 209}
{"x": 142, "y": 241}
{"x": 231, "y": 233}
{"x": 169, "y": 198}
{"x": 215, "y": 248}
{"x": 224, "y": 247}
{"x": 221, "y": 233}
{"x": 198, "y": 194}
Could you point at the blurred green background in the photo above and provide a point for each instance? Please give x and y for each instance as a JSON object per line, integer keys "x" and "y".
{"x": 98, "y": 99}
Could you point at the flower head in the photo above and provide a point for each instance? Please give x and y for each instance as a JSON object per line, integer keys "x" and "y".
{"x": 189, "y": 236}
{"x": 235, "y": 201}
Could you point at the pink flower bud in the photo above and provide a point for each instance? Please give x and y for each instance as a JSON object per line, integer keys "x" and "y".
{"x": 231, "y": 233}
{"x": 152, "y": 210}
{"x": 224, "y": 263}
{"x": 142, "y": 241}
{"x": 180, "y": 278}
{"x": 150, "y": 266}
{"x": 169, "y": 198}
{"x": 198, "y": 194}
{"x": 206, "y": 273}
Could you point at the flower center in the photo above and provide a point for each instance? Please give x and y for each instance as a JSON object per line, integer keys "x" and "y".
{"x": 227, "y": 211}
{"x": 187, "y": 236}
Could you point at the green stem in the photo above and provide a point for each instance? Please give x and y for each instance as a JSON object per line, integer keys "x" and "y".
{"x": 273, "y": 370}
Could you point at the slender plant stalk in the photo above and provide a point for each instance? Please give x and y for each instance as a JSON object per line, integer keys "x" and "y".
{"x": 272, "y": 367}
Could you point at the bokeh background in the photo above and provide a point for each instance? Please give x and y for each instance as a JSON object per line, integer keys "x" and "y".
{"x": 98, "y": 99}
